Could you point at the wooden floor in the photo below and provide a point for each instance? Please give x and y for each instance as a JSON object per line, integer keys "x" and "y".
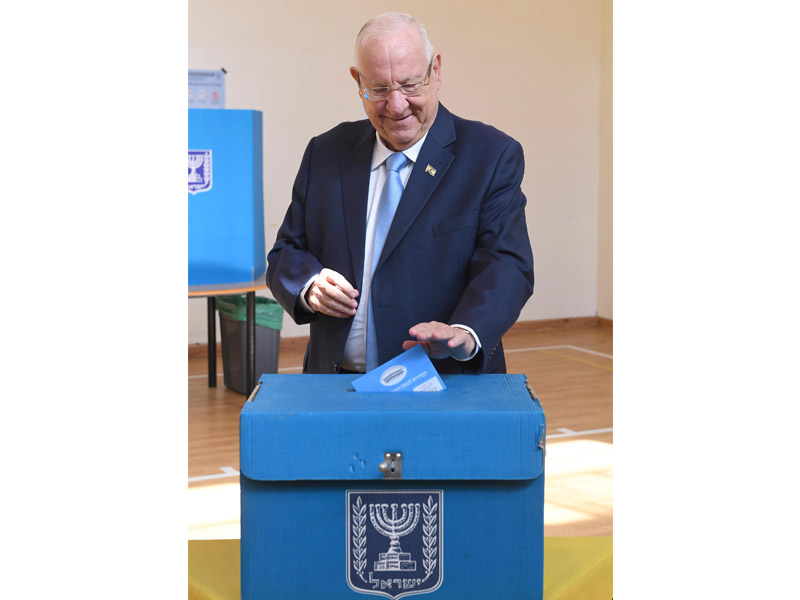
{"x": 568, "y": 363}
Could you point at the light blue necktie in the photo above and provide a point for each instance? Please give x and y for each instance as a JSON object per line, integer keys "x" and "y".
{"x": 390, "y": 198}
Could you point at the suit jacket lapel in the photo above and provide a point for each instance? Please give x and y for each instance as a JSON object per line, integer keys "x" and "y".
{"x": 355, "y": 189}
{"x": 422, "y": 183}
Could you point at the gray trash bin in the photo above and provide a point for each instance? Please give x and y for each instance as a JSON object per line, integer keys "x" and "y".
{"x": 233, "y": 329}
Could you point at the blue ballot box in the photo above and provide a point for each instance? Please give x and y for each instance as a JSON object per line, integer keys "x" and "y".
{"x": 226, "y": 207}
{"x": 346, "y": 493}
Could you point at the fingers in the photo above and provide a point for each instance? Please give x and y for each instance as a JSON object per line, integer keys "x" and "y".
{"x": 440, "y": 340}
{"x": 338, "y": 280}
{"x": 331, "y": 294}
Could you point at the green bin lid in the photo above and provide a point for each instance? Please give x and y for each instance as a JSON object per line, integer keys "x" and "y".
{"x": 268, "y": 312}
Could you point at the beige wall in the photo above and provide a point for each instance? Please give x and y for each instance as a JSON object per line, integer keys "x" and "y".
{"x": 605, "y": 254}
{"x": 538, "y": 70}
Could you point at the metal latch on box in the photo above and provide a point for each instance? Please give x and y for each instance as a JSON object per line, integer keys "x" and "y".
{"x": 392, "y": 465}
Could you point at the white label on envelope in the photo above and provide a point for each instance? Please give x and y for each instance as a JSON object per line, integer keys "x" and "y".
{"x": 432, "y": 385}
{"x": 393, "y": 375}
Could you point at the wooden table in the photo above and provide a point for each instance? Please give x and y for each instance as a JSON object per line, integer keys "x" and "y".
{"x": 210, "y": 291}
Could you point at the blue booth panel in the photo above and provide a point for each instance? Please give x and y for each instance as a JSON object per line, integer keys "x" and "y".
{"x": 226, "y": 204}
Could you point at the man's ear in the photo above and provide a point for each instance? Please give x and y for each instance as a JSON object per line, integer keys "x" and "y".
{"x": 437, "y": 68}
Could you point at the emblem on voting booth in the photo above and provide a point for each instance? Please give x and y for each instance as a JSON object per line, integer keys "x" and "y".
{"x": 199, "y": 171}
{"x": 394, "y": 542}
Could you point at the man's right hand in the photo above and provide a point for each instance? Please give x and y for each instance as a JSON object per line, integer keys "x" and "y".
{"x": 331, "y": 294}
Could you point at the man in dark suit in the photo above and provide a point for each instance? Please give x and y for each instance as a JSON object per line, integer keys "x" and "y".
{"x": 456, "y": 266}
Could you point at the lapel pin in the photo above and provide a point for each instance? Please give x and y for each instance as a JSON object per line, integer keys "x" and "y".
{"x": 430, "y": 170}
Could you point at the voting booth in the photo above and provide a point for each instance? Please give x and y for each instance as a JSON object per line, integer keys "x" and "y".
{"x": 226, "y": 208}
{"x": 348, "y": 493}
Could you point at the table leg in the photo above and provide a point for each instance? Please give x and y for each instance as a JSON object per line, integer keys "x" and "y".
{"x": 212, "y": 342}
{"x": 251, "y": 342}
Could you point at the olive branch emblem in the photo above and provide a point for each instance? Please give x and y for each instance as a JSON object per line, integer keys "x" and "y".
{"x": 360, "y": 538}
{"x": 429, "y": 537}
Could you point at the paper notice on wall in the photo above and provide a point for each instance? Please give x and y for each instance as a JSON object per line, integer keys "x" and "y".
{"x": 206, "y": 89}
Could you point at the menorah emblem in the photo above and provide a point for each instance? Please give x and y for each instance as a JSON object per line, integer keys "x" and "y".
{"x": 394, "y": 528}
{"x": 413, "y": 515}
{"x": 199, "y": 179}
{"x": 195, "y": 160}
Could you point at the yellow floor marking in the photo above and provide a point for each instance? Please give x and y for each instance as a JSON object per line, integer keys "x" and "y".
{"x": 586, "y": 362}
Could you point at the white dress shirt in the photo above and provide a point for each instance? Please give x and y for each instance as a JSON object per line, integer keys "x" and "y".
{"x": 355, "y": 350}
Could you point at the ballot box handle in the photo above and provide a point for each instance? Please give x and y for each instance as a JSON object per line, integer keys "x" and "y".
{"x": 531, "y": 391}
{"x": 254, "y": 392}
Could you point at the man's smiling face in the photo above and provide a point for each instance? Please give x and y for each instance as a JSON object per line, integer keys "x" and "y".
{"x": 400, "y": 120}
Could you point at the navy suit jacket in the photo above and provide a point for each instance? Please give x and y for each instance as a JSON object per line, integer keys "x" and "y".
{"x": 457, "y": 252}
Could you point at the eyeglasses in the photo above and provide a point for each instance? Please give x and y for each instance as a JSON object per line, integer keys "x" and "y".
{"x": 377, "y": 94}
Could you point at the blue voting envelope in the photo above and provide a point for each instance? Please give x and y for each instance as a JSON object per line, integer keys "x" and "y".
{"x": 411, "y": 371}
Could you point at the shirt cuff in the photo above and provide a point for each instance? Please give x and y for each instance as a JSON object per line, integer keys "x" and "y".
{"x": 302, "y": 298}
{"x": 474, "y": 336}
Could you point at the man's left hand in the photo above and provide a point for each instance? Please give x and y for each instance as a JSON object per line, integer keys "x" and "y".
{"x": 440, "y": 340}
